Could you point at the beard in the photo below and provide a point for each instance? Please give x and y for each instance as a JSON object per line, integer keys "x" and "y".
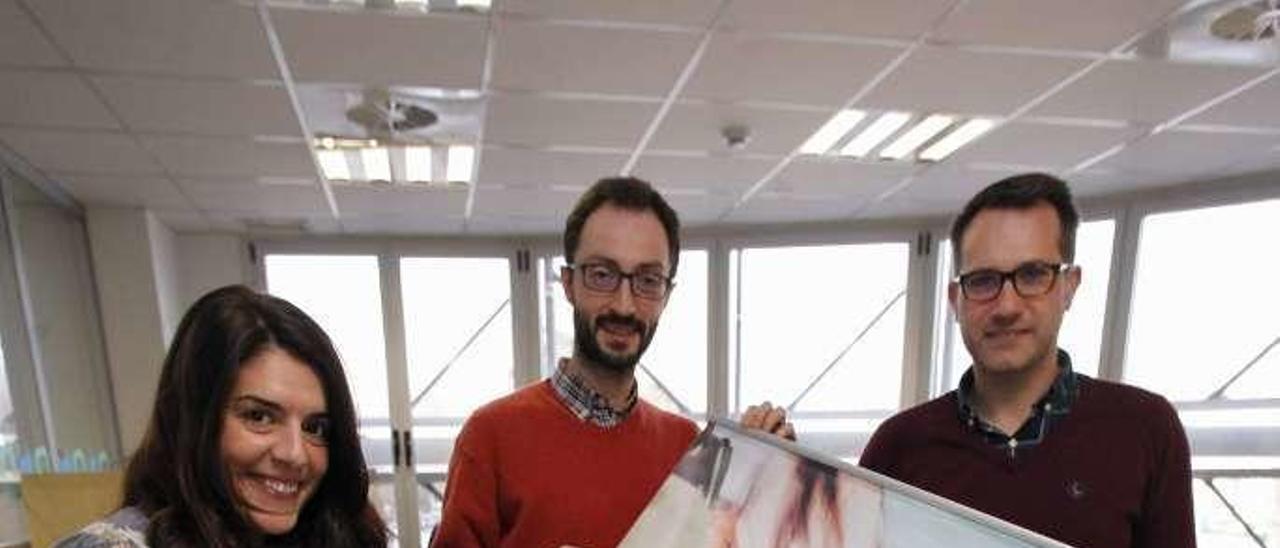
{"x": 585, "y": 343}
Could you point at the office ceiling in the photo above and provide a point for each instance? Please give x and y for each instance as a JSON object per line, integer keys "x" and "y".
{"x": 186, "y": 108}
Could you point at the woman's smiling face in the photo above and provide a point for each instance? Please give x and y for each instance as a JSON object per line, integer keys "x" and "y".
{"x": 274, "y": 439}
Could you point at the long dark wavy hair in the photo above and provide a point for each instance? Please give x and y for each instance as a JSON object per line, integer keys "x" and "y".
{"x": 177, "y": 476}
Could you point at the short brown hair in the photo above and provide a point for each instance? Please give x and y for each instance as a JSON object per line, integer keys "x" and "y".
{"x": 1022, "y": 192}
{"x": 627, "y": 193}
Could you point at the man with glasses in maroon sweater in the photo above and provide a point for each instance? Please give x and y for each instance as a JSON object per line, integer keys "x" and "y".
{"x": 1024, "y": 438}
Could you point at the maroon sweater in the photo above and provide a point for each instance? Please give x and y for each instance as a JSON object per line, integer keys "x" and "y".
{"x": 1114, "y": 472}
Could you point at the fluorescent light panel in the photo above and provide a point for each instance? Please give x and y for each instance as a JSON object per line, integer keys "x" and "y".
{"x": 962, "y": 136}
{"x": 417, "y": 164}
{"x": 838, "y": 126}
{"x": 884, "y": 126}
{"x": 916, "y": 136}
{"x": 334, "y": 165}
{"x": 461, "y": 163}
{"x": 377, "y": 164}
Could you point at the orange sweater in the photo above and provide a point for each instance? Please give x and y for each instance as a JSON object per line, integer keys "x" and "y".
{"x": 526, "y": 472}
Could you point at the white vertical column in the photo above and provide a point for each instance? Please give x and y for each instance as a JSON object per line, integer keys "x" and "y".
{"x": 718, "y": 330}
{"x": 121, "y": 242}
{"x": 406, "y": 487}
{"x": 1124, "y": 263}
{"x": 918, "y": 344}
{"x": 525, "y": 325}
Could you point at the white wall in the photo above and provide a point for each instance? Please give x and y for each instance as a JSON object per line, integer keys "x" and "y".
{"x": 209, "y": 261}
{"x": 60, "y": 287}
{"x": 133, "y": 325}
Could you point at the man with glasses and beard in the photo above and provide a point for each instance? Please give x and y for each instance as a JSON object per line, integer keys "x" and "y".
{"x": 573, "y": 460}
{"x": 1024, "y": 438}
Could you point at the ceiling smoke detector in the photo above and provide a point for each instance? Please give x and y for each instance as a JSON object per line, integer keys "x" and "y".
{"x": 384, "y": 114}
{"x": 1250, "y": 22}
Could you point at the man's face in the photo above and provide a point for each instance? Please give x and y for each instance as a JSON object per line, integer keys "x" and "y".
{"x": 1012, "y": 333}
{"x": 613, "y": 329}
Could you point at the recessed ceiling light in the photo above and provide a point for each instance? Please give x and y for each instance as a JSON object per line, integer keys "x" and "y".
{"x": 417, "y": 164}
{"x": 832, "y": 131}
{"x": 461, "y": 163}
{"x": 884, "y": 126}
{"x": 916, "y": 136}
{"x": 475, "y": 4}
{"x": 334, "y": 165}
{"x": 377, "y": 164}
{"x": 960, "y": 137}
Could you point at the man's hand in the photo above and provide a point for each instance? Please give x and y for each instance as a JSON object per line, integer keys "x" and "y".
{"x": 767, "y": 418}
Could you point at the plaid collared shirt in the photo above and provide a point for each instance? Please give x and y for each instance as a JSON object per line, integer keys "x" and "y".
{"x": 1046, "y": 412}
{"x": 586, "y": 403}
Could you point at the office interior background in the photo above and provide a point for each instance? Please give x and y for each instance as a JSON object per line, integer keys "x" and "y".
{"x": 401, "y": 169}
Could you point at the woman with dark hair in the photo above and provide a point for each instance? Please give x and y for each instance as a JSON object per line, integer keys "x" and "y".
{"x": 252, "y": 440}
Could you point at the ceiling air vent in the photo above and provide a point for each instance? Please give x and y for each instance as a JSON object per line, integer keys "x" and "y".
{"x": 1249, "y": 22}
{"x": 384, "y": 114}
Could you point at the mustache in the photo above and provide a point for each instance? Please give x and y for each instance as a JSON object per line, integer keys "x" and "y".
{"x": 620, "y": 320}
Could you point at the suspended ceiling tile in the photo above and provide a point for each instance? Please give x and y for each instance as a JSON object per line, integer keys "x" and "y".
{"x": 876, "y": 18}
{"x": 969, "y": 82}
{"x": 699, "y": 127}
{"x": 1189, "y": 155}
{"x": 952, "y": 185}
{"x": 378, "y": 49}
{"x": 1255, "y": 107}
{"x": 50, "y": 99}
{"x": 1045, "y": 146}
{"x": 839, "y": 176}
{"x": 133, "y": 191}
{"x": 245, "y": 199}
{"x": 515, "y": 225}
{"x": 98, "y": 153}
{"x": 744, "y": 67}
{"x": 525, "y": 203}
{"x": 716, "y": 175}
{"x": 536, "y": 168}
{"x": 550, "y": 57}
{"x": 196, "y": 157}
{"x": 407, "y": 224}
{"x": 183, "y": 220}
{"x": 696, "y": 209}
{"x": 215, "y": 108}
{"x": 899, "y": 207}
{"x": 1093, "y": 25}
{"x": 188, "y": 37}
{"x": 545, "y": 122}
{"x": 384, "y": 199}
{"x": 21, "y": 42}
{"x": 1100, "y": 181}
{"x": 786, "y": 208}
{"x": 1143, "y": 91}
{"x": 675, "y": 12}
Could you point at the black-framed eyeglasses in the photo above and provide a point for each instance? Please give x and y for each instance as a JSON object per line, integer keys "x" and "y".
{"x": 607, "y": 278}
{"x": 1031, "y": 279}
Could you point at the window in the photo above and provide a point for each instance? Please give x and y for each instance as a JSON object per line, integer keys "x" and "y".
{"x": 457, "y": 315}
{"x": 1203, "y": 332}
{"x": 672, "y": 374}
{"x": 819, "y": 329}
{"x": 1204, "y": 308}
{"x": 342, "y": 293}
{"x": 12, "y": 522}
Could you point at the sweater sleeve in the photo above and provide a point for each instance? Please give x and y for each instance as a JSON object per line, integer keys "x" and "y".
{"x": 470, "y": 513}
{"x": 1167, "y": 519}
